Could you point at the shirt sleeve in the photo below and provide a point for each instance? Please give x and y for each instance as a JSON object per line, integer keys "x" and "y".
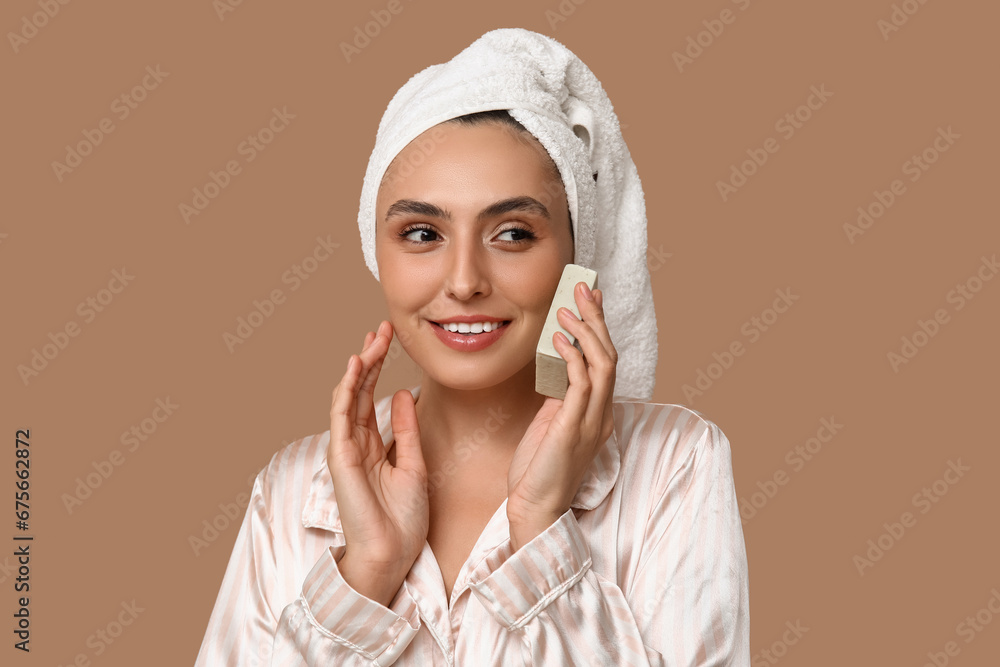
{"x": 686, "y": 605}
{"x": 328, "y": 623}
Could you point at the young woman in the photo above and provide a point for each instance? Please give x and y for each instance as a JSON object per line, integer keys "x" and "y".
{"x": 469, "y": 520}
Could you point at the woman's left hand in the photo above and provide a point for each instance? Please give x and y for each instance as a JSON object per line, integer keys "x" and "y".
{"x": 563, "y": 439}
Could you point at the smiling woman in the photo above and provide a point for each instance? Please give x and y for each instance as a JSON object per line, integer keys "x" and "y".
{"x": 465, "y": 238}
{"x": 469, "y": 520}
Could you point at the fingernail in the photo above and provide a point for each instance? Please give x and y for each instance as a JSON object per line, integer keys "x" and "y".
{"x": 587, "y": 293}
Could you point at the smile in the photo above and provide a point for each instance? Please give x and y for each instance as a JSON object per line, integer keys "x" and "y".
{"x": 472, "y": 327}
{"x": 470, "y": 336}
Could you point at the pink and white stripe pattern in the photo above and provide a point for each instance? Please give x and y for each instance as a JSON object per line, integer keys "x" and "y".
{"x": 647, "y": 568}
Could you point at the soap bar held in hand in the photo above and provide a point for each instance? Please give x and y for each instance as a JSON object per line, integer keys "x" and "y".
{"x": 550, "y": 368}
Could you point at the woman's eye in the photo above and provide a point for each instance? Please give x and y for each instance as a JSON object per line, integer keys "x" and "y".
{"x": 519, "y": 234}
{"x": 422, "y": 235}
{"x": 419, "y": 234}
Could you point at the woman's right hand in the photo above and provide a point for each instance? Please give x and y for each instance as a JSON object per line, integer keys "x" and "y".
{"x": 384, "y": 509}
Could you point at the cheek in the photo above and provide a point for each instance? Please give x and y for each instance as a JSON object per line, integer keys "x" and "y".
{"x": 407, "y": 286}
{"x": 532, "y": 291}
{"x": 414, "y": 274}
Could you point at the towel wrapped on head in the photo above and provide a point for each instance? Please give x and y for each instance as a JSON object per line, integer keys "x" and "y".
{"x": 556, "y": 97}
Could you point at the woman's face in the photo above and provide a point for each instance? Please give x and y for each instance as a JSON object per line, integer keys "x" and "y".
{"x": 479, "y": 228}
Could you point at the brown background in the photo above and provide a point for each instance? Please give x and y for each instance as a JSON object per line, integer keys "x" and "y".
{"x": 826, "y": 357}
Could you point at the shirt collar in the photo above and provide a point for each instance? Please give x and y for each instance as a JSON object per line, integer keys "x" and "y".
{"x": 321, "y": 511}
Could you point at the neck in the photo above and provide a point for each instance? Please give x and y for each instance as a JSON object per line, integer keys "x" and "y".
{"x": 488, "y": 422}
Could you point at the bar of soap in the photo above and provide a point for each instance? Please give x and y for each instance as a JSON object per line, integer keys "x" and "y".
{"x": 551, "y": 378}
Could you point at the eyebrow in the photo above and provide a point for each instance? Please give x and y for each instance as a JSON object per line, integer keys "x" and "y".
{"x": 415, "y": 207}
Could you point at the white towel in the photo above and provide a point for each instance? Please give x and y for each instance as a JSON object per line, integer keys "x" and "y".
{"x": 556, "y": 97}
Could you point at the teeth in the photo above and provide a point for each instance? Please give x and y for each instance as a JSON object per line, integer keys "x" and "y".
{"x": 471, "y": 328}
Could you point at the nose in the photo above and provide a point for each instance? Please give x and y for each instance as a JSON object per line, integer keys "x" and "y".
{"x": 467, "y": 268}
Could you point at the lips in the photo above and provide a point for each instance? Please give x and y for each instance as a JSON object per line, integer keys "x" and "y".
{"x": 471, "y": 327}
{"x": 469, "y": 342}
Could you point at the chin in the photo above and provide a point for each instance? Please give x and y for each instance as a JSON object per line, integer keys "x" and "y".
{"x": 469, "y": 376}
{"x": 467, "y": 381}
